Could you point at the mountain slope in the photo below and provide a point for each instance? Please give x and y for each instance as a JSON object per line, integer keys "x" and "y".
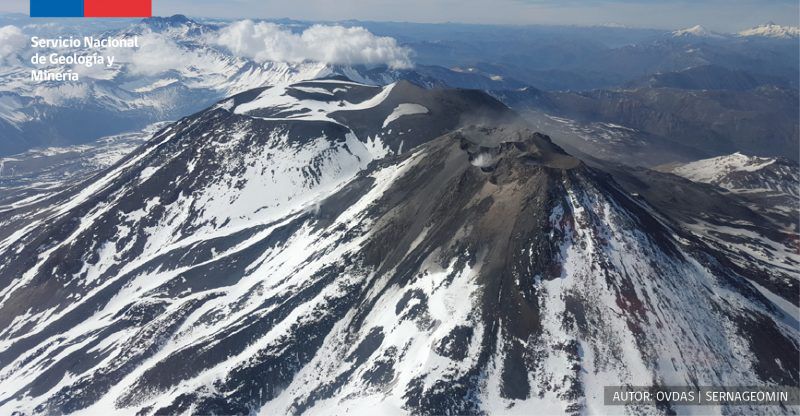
{"x": 760, "y": 121}
{"x": 709, "y": 77}
{"x": 738, "y": 172}
{"x": 30, "y": 176}
{"x": 308, "y": 249}
{"x": 769, "y": 185}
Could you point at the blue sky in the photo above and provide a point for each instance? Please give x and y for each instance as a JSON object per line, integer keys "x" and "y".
{"x": 721, "y": 15}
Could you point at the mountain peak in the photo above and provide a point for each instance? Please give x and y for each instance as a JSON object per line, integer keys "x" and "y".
{"x": 490, "y": 145}
{"x": 696, "y": 31}
{"x": 772, "y": 30}
{"x": 165, "y": 22}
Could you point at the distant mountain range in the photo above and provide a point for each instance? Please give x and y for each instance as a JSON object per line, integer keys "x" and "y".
{"x": 582, "y": 58}
{"x": 127, "y": 99}
{"x": 771, "y": 30}
{"x": 760, "y": 121}
{"x": 768, "y": 30}
{"x": 709, "y": 77}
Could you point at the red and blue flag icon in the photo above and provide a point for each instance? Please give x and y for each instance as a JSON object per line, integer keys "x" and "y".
{"x": 91, "y": 8}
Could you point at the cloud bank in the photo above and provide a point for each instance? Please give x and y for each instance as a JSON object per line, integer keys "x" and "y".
{"x": 156, "y": 54}
{"x": 328, "y": 44}
{"x": 12, "y": 40}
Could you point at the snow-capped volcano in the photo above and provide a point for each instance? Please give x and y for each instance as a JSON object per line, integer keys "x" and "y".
{"x": 318, "y": 247}
{"x": 772, "y": 30}
{"x": 697, "y": 31}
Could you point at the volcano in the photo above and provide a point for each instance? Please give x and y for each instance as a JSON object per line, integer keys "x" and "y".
{"x": 334, "y": 247}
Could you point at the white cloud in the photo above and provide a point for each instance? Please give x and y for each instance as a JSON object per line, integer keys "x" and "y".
{"x": 12, "y": 40}
{"x": 155, "y": 55}
{"x": 328, "y": 44}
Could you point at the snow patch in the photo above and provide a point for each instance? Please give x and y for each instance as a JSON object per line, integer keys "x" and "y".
{"x": 404, "y": 109}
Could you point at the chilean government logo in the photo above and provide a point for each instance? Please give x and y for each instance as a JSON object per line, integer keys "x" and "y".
{"x": 91, "y": 8}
